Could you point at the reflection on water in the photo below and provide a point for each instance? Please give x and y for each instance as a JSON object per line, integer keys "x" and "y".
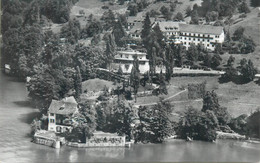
{"x": 15, "y": 146}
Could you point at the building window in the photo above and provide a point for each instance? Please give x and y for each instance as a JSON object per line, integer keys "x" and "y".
{"x": 184, "y": 38}
{"x": 208, "y": 35}
{"x": 198, "y": 39}
{"x": 208, "y": 40}
{"x": 203, "y": 40}
{"x": 213, "y": 45}
{"x": 52, "y": 120}
{"x": 184, "y": 43}
{"x": 189, "y": 43}
{"x": 52, "y": 114}
{"x": 121, "y": 56}
{"x": 189, "y": 38}
{"x": 207, "y": 45}
{"x": 193, "y": 39}
{"x": 199, "y": 35}
{"x": 203, "y": 35}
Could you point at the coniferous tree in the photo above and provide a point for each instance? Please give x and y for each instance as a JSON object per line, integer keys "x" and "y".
{"x": 146, "y": 29}
{"x": 110, "y": 50}
{"x": 78, "y": 83}
{"x": 135, "y": 76}
{"x": 119, "y": 33}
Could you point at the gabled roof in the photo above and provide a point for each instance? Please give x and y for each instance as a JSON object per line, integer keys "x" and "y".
{"x": 204, "y": 29}
{"x": 66, "y": 106}
{"x": 169, "y": 25}
{"x": 132, "y": 19}
{"x": 137, "y": 28}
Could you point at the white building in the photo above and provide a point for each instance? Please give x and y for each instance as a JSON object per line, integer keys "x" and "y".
{"x": 125, "y": 59}
{"x": 206, "y": 35}
{"x": 170, "y": 29}
{"x": 186, "y": 34}
{"x": 58, "y": 113}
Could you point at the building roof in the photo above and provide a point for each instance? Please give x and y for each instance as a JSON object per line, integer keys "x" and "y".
{"x": 65, "y": 106}
{"x": 204, "y": 29}
{"x": 169, "y": 25}
{"x": 137, "y": 28}
{"x": 131, "y": 52}
{"x": 132, "y": 19}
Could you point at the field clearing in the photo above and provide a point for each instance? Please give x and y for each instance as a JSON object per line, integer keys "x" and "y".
{"x": 179, "y": 8}
{"x": 251, "y": 24}
{"x": 94, "y": 7}
{"x": 96, "y": 85}
{"x": 239, "y": 99}
{"x": 254, "y": 57}
{"x": 172, "y": 90}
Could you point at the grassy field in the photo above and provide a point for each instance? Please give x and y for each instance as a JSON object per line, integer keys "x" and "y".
{"x": 96, "y": 85}
{"x": 239, "y": 99}
{"x": 172, "y": 90}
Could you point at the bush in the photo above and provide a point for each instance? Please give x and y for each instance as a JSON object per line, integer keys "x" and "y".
{"x": 253, "y": 124}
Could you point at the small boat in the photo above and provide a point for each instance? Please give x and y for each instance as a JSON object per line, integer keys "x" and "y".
{"x": 128, "y": 144}
{"x": 189, "y": 139}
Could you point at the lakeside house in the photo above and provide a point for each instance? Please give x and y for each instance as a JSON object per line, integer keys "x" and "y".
{"x": 58, "y": 113}
{"x": 125, "y": 59}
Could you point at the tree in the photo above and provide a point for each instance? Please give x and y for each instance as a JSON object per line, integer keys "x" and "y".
{"x": 78, "y": 83}
{"x": 155, "y": 124}
{"x": 179, "y": 16}
{"x": 253, "y": 124}
{"x": 230, "y": 73}
{"x": 212, "y": 16}
{"x": 89, "y": 113}
{"x": 215, "y": 61}
{"x": 93, "y": 28}
{"x": 71, "y": 31}
{"x": 162, "y": 87}
{"x": 135, "y": 76}
{"x": 169, "y": 61}
{"x": 248, "y": 71}
{"x": 210, "y": 103}
{"x": 243, "y": 8}
{"x": 231, "y": 60}
{"x": 192, "y": 54}
{"x": 198, "y": 125}
{"x": 165, "y": 12}
{"x": 255, "y": 3}
{"x": 133, "y": 10}
{"x": 40, "y": 90}
{"x": 110, "y": 50}
{"x": 109, "y": 18}
{"x": 146, "y": 29}
{"x": 194, "y": 17}
{"x": 188, "y": 11}
{"x": 119, "y": 33}
{"x": 238, "y": 34}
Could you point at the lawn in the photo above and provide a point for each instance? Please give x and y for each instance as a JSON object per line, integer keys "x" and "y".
{"x": 172, "y": 90}
{"x": 239, "y": 99}
{"x": 96, "y": 85}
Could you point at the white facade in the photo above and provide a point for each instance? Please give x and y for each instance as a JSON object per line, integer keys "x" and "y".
{"x": 186, "y": 34}
{"x": 209, "y": 41}
{"x": 58, "y": 113}
{"x": 53, "y": 126}
{"x": 125, "y": 59}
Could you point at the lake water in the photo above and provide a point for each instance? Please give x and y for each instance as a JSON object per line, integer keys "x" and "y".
{"x": 16, "y": 115}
